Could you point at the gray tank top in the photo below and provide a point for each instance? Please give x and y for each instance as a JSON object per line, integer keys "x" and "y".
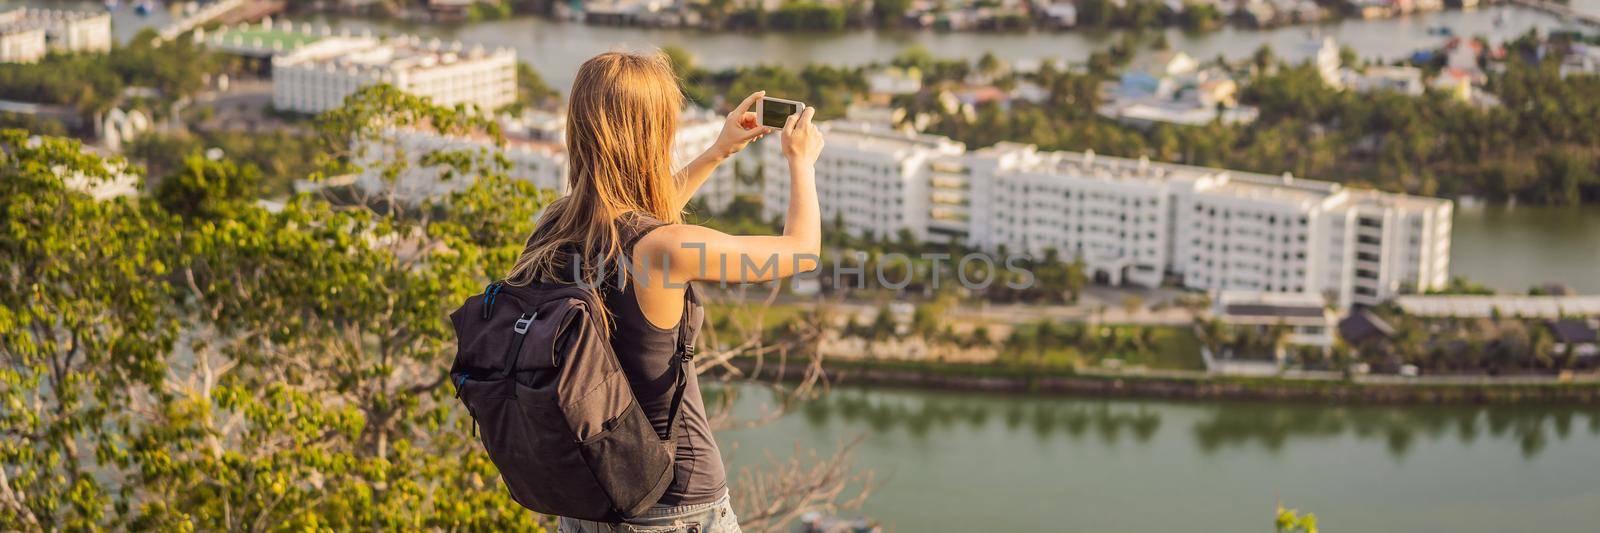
{"x": 646, "y": 353}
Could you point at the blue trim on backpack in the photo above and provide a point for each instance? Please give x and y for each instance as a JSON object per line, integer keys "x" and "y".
{"x": 489, "y": 294}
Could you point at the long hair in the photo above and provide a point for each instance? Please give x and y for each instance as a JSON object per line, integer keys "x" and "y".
{"x": 621, "y": 120}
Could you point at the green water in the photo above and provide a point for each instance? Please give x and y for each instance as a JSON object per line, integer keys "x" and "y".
{"x": 978, "y": 462}
{"x": 1512, "y": 249}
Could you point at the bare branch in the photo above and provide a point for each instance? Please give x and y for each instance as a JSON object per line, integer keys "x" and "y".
{"x": 774, "y": 496}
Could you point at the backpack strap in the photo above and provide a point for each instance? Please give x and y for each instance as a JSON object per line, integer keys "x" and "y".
{"x": 684, "y": 354}
{"x": 521, "y": 330}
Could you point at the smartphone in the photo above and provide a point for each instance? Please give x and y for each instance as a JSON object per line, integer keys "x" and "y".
{"x": 774, "y": 112}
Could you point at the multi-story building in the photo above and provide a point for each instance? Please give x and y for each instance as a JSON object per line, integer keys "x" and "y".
{"x": 1384, "y": 244}
{"x": 1132, "y": 220}
{"x": 535, "y": 148}
{"x": 1106, "y": 212}
{"x": 317, "y": 76}
{"x": 877, "y": 182}
{"x": 20, "y": 41}
{"x": 76, "y": 31}
{"x": 27, "y": 34}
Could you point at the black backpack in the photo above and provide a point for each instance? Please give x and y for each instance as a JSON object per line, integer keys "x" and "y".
{"x": 535, "y": 368}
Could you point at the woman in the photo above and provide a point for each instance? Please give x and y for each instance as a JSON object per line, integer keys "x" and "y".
{"x": 625, "y": 206}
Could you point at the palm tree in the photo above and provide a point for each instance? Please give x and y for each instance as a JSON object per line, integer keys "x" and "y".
{"x": 1214, "y": 334}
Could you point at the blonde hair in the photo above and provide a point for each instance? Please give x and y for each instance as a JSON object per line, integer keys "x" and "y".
{"x": 621, "y": 120}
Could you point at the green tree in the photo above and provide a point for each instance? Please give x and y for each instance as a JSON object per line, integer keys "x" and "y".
{"x": 1291, "y": 521}
{"x": 245, "y": 370}
{"x": 682, "y": 61}
{"x": 890, "y": 12}
{"x": 532, "y": 91}
{"x": 884, "y": 326}
{"x": 207, "y": 189}
{"x": 84, "y": 332}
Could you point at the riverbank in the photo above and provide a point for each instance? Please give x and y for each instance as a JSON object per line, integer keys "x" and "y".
{"x": 1198, "y": 386}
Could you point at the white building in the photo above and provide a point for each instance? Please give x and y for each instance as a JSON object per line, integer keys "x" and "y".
{"x": 1327, "y": 62}
{"x": 118, "y": 126}
{"x": 535, "y": 148}
{"x": 1131, "y": 220}
{"x": 1107, "y": 212}
{"x": 318, "y": 76}
{"x": 1506, "y": 305}
{"x": 1308, "y": 320}
{"x": 20, "y": 41}
{"x": 1404, "y": 80}
{"x": 27, "y": 34}
{"x": 1061, "y": 14}
{"x": 894, "y": 81}
{"x": 877, "y": 181}
{"x": 1581, "y": 59}
{"x": 118, "y": 182}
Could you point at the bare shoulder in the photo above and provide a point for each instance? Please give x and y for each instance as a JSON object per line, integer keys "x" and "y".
{"x": 674, "y": 239}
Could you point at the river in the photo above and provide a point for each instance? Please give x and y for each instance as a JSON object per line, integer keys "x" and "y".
{"x": 555, "y": 49}
{"x": 948, "y": 461}
{"x": 1514, "y": 248}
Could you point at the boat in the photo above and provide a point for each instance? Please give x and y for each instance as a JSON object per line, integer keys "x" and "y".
{"x": 1443, "y": 31}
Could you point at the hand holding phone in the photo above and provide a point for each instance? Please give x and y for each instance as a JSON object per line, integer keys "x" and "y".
{"x": 775, "y": 112}
{"x": 802, "y": 141}
{"x": 741, "y": 127}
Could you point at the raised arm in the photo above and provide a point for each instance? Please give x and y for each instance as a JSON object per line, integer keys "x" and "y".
{"x": 703, "y": 254}
{"x": 740, "y": 128}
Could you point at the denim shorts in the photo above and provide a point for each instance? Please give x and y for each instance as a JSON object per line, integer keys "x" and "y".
{"x": 714, "y": 517}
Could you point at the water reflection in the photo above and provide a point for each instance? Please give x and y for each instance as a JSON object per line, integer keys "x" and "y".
{"x": 926, "y": 415}
{"x": 1213, "y": 427}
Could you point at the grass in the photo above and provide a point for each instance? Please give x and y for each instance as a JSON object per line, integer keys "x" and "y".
{"x": 1172, "y": 348}
{"x": 1177, "y": 348}
{"x": 775, "y": 315}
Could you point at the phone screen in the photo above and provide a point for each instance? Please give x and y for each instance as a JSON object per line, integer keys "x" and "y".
{"x": 775, "y": 114}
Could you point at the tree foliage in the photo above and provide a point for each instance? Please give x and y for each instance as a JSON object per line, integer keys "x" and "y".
{"x": 199, "y": 362}
{"x": 1538, "y": 145}
{"x": 93, "y": 83}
